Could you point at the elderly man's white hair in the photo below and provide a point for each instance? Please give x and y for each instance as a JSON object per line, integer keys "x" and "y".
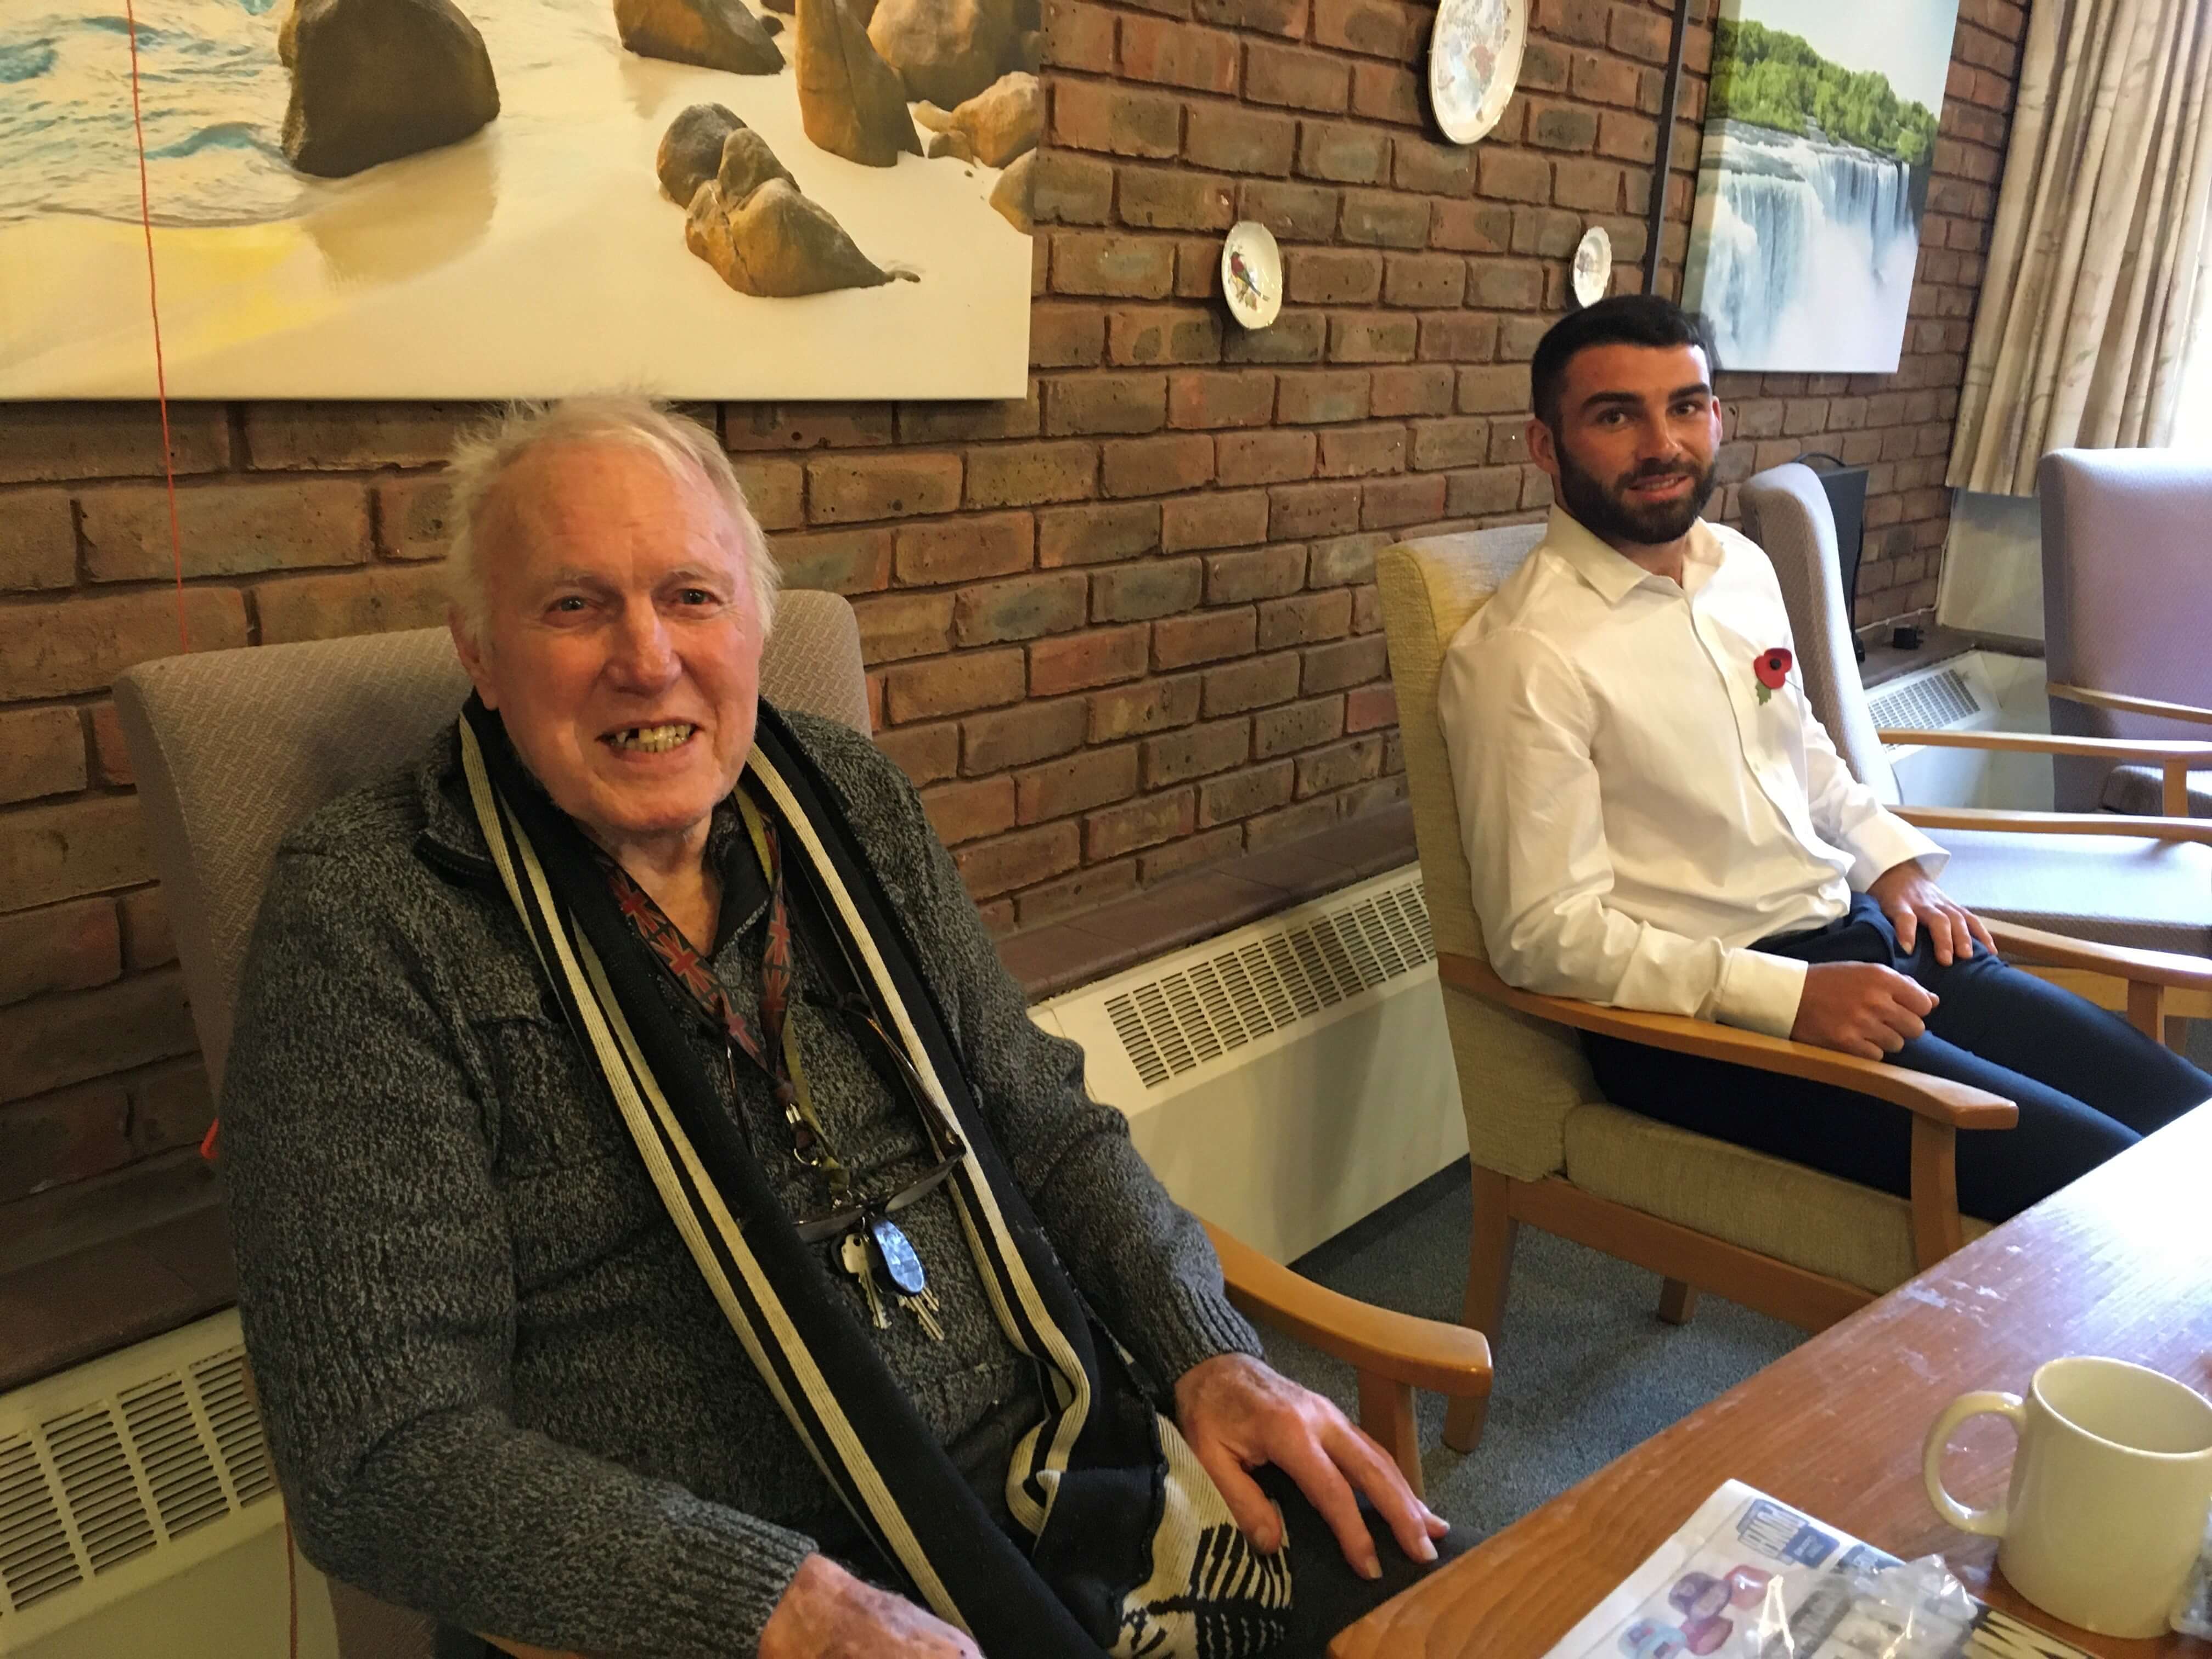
{"x": 482, "y": 457}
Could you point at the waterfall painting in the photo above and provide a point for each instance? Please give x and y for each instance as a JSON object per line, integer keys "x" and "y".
{"x": 1819, "y": 125}
{"x": 518, "y": 198}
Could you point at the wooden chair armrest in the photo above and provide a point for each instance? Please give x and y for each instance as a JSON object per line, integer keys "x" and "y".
{"x": 2057, "y": 823}
{"x": 1424, "y": 1353}
{"x": 1938, "y": 1099}
{"x": 2155, "y": 751}
{"x": 2033, "y": 945}
{"x": 2126, "y": 705}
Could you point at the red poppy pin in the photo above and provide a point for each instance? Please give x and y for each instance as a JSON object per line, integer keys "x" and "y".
{"x": 1772, "y": 667}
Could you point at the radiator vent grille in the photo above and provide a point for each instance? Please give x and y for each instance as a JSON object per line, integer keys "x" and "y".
{"x": 1200, "y": 1013}
{"x": 105, "y": 1482}
{"x": 1928, "y": 704}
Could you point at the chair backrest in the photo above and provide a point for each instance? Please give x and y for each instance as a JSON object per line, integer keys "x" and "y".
{"x": 1518, "y": 1077}
{"x": 232, "y": 748}
{"x": 1785, "y": 511}
{"x": 2126, "y": 604}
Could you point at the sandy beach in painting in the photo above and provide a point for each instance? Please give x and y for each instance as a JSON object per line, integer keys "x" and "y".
{"x": 535, "y": 258}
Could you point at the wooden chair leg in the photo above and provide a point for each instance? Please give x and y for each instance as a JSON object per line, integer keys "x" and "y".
{"x": 1386, "y": 1411}
{"x": 1936, "y": 1228}
{"x": 2146, "y": 1009}
{"x": 1678, "y": 1302}
{"x": 1489, "y": 1265}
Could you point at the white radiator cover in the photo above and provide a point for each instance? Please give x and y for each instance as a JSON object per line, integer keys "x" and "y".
{"x": 1287, "y": 1079}
{"x": 1975, "y": 691}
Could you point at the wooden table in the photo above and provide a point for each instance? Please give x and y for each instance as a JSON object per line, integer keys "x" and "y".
{"x": 2120, "y": 1264}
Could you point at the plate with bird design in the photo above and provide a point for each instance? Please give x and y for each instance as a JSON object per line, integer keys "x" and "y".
{"x": 1252, "y": 274}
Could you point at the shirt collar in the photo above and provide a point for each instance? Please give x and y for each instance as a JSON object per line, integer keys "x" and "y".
{"x": 1614, "y": 576}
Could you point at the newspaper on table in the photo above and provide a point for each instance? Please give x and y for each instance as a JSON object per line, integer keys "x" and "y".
{"x": 1748, "y": 1577}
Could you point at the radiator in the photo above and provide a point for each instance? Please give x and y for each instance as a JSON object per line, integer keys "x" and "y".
{"x": 1289, "y": 1078}
{"x": 1975, "y": 691}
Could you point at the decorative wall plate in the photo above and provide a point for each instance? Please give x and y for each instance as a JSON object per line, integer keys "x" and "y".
{"x": 1474, "y": 59}
{"x": 1593, "y": 271}
{"x": 1252, "y": 273}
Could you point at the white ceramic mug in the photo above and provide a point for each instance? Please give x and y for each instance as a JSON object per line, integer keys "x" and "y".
{"x": 2110, "y": 1487}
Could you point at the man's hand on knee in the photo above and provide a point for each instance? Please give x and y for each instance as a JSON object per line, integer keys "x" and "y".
{"x": 826, "y": 1613}
{"x": 1912, "y": 901}
{"x": 1238, "y": 1415}
{"x": 1861, "y": 1008}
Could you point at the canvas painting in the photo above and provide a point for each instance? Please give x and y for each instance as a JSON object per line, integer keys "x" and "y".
{"x": 1820, "y": 126}
{"x": 514, "y": 199}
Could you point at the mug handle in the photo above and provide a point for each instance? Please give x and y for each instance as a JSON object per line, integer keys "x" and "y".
{"x": 1989, "y": 1522}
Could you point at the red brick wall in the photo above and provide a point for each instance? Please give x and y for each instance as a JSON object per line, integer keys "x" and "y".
{"x": 1119, "y": 628}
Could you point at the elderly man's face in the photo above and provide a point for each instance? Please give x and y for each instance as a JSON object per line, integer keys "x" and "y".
{"x": 621, "y": 642}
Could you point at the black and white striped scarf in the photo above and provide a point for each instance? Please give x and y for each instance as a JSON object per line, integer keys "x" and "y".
{"x": 1133, "y": 1551}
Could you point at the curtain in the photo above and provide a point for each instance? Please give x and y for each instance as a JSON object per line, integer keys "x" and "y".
{"x": 2097, "y": 268}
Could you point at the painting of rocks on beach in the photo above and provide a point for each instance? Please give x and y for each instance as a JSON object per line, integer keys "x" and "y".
{"x": 1819, "y": 125}
{"x": 521, "y": 199}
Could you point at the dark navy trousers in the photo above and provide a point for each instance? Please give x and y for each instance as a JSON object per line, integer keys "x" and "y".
{"x": 2088, "y": 1085}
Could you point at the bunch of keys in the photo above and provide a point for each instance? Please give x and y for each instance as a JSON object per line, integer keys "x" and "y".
{"x": 901, "y": 1265}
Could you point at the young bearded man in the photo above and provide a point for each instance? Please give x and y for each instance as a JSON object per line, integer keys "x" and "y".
{"x": 1655, "y": 818}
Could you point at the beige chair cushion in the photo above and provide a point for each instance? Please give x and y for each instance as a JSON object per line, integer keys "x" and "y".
{"x": 2116, "y": 889}
{"x": 1781, "y": 1210}
{"x": 232, "y": 748}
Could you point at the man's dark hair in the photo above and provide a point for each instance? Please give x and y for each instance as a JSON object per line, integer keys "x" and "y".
{"x": 1643, "y": 319}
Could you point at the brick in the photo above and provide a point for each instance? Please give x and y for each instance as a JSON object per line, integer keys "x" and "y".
{"x": 1480, "y": 494}
{"x": 1412, "y": 389}
{"x": 46, "y": 442}
{"x": 1258, "y": 573}
{"x": 1021, "y": 609}
{"x": 1594, "y": 187}
{"x": 898, "y": 625}
{"x": 756, "y": 427}
{"x": 843, "y": 489}
{"x": 970, "y": 810}
{"x": 1543, "y": 67}
{"x": 42, "y": 752}
{"x": 79, "y": 645}
{"x": 1372, "y": 336}
{"x": 954, "y": 684}
{"x": 1019, "y": 736}
{"x": 1470, "y": 226}
{"x": 1367, "y": 615}
{"x": 1069, "y": 188}
{"x": 1021, "y": 860}
{"x": 1554, "y": 125}
{"x": 1296, "y": 725}
{"x": 1352, "y": 452}
{"x": 964, "y": 549}
{"x": 1546, "y": 233}
{"x": 1284, "y": 17}
{"x": 1071, "y": 896}
{"x": 1157, "y": 705}
{"x": 1291, "y": 212}
{"x": 1293, "y": 823}
{"x": 1295, "y": 77}
{"x": 1305, "y": 619}
{"x": 1167, "y": 198}
{"x": 38, "y": 540}
{"x": 1095, "y": 777}
{"x": 925, "y": 753}
{"x": 1178, "y": 55}
{"x": 65, "y": 1137}
{"x": 1344, "y": 663}
{"x": 1628, "y": 137}
{"x": 1318, "y": 398}
{"x": 1508, "y": 445}
{"x": 1155, "y": 334}
{"x": 330, "y": 437}
{"x": 1460, "y": 338}
{"x": 1221, "y": 800}
{"x": 1021, "y": 475}
{"x": 1105, "y": 402}
{"x": 1101, "y": 116}
{"x": 1493, "y": 391}
{"x": 1218, "y": 520}
{"x": 1386, "y": 503}
{"x": 381, "y": 600}
{"x": 1298, "y": 337}
{"x": 1154, "y": 466}
{"x": 1423, "y": 279}
{"x": 1065, "y": 337}
{"x": 72, "y": 1037}
{"x": 1512, "y": 175}
{"x": 1377, "y": 218}
{"x": 1343, "y": 559}
{"x": 1342, "y": 153}
{"x": 836, "y": 561}
{"x": 1386, "y": 92}
{"x": 1228, "y": 138}
{"x": 1147, "y": 821}
{"x": 1635, "y": 32}
{"x": 1154, "y": 587}
{"x": 1251, "y": 457}
{"x": 1438, "y": 169}
{"x": 172, "y": 1108}
{"x": 1197, "y": 268}
{"x": 1449, "y": 443}
{"x": 1197, "y": 751}
{"x": 1107, "y": 263}
{"x": 409, "y": 515}
{"x": 147, "y": 940}
{"x": 1191, "y": 851}
{"x": 111, "y": 755}
{"x": 1241, "y": 397}
{"x": 1252, "y": 684}
{"x": 1380, "y": 28}
{"x": 974, "y": 423}
{"x": 1079, "y": 36}
{"x": 1339, "y": 766}
{"x": 1368, "y": 707}
{"x": 1076, "y": 662}
{"x": 226, "y": 529}
{"x": 1094, "y": 534}
{"x": 1183, "y": 641}
{"x": 1315, "y": 510}
{"x": 76, "y": 945}
{"x": 1499, "y": 286}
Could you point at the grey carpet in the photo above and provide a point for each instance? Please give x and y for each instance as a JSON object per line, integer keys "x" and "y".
{"x": 1584, "y": 1368}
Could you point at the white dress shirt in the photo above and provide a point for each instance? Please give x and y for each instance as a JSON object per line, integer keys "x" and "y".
{"x": 1635, "y": 814}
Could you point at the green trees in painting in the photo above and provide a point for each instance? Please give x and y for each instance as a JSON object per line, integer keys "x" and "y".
{"x": 1770, "y": 79}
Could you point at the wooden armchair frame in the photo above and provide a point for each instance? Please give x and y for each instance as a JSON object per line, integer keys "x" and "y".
{"x": 1392, "y": 1353}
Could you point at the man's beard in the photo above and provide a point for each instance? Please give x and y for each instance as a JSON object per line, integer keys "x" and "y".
{"x": 1611, "y": 516}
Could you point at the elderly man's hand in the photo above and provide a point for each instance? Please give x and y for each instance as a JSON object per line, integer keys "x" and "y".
{"x": 1238, "y": 1415}
{"x": 826, "y": 1613}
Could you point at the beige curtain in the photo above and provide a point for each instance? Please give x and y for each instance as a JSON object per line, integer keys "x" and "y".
{"x": 2100, "y": 265}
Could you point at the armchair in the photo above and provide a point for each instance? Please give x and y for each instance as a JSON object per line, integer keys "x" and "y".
{"x": 232, "y": 748}
{"x": 2097, "y": 878}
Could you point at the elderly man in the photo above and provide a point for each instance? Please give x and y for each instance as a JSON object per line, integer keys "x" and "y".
{"x": 662, "y": 1230}
{"x": 1655, "y": 819}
